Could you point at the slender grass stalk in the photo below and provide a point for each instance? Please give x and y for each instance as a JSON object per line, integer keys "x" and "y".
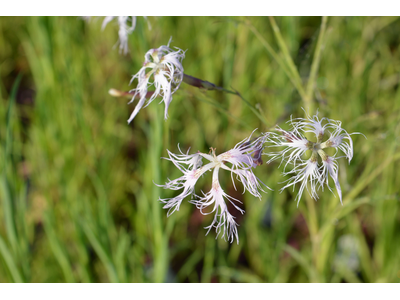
{"x": 209, "y": 257}
{"x": 367, "y": 178}
{"x": 10, "y": 262}
{"x": 286, "y": 55}
{"x": 312, "y": 275}
{"x": 160, "y": 248}
{"x": 9, "y": 194}
{"x": 190, "y": 264}
{"x": 296, "y": 81}
{"x": 9, "y": 214}
{"x": 57, "y": 248}
{"x": 101, "y": 252}
{"x": 254, "y": 110}
{"x": 308, "y": 101}
{"x": 311, "y": 212}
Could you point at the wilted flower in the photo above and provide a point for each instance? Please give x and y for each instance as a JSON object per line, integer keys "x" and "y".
{"x": 165, "y": 65}
{"x": 296, "y": 145}
{"x": 239, "y": 161}
{"x": 124, "y": 30}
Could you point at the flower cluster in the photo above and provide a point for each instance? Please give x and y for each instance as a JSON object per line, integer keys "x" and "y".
{"x": 162, "y": 68}
{"x": 309, "y": 170}
{"x": 238, "y": 161}
{"x": 165, "y": 65}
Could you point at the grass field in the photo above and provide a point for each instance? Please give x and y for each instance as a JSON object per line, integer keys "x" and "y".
{"x": 78, "y": 196}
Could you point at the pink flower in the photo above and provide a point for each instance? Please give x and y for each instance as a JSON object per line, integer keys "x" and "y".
{"x": 238, "y": 161}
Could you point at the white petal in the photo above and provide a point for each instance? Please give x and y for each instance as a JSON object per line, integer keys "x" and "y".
{"x": 223, "y": 221}
{"x": 304, "y": 173}
{"x": 330, "y": 167}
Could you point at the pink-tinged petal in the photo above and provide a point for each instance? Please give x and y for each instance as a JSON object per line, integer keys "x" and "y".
{"x": 186, "y": 182}
{"x": 245, "y": 154}
{"x": 215, "y": 200}
{"x": 223, "y": 221}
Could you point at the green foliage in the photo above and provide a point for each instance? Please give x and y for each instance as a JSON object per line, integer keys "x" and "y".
{"x": 78, "y": 199}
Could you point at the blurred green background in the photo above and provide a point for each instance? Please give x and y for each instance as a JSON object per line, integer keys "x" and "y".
{"x": 78, "y": 199}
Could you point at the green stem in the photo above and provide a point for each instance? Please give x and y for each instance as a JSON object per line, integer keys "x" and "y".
{"x": 9, "y": 260}
{"x": 314, "y": 67}
{"x": 160, "y": 250}
{"x": 253, "y": 109}
{"x": 302, "y": 262}
{"x": 286, "y": 54}
{"x": 295, "y": 81}
{"x": 312, "y": 217}
{"x": 101, "y": 252}
{"x": 312, "y": 222}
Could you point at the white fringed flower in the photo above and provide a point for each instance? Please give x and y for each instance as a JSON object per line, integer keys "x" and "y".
{"x": 124, "y": 30}
{"x": 309, "y": 172}
{"x": 239, "y": 161}
{"x": 304, "y": 173}
{"x": 126, "y": 27}
{"x": 296, "y": 145}
{"x": 165, "y": 65}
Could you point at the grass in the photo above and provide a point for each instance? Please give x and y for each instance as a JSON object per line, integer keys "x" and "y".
{"x": 78, "y": 199}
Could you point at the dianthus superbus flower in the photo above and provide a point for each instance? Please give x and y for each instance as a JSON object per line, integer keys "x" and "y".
{"x": 124, "y": 30}
{"x": 238, "y": 161}
{"x": 314, "y": 172}
{"x": 164, "y": 65}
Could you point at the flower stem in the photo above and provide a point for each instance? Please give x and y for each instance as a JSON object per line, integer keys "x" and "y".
{"x": 314, "y": 67}
{"x": 312, "y": 217}
{"x": 286, "y": 55}
{"x": 160, "y": 250}
{"x": 295, "y": 79}
{"x": 312, "y": 221}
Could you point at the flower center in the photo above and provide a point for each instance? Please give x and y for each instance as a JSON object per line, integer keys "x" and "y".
{"x": 316, "y": 147}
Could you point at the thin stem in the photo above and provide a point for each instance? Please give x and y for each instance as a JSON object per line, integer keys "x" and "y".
{"x": 295, "y": 81}
{"x": 160, "y": 250}
{"x": 193, "y": 81}
{"x": 286, "y": 54}
{"x": 314, "y": 66}
{"x": 312, "y": 216}
{"x": 253, "y": 109}
{"x": 312, "y": 221}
